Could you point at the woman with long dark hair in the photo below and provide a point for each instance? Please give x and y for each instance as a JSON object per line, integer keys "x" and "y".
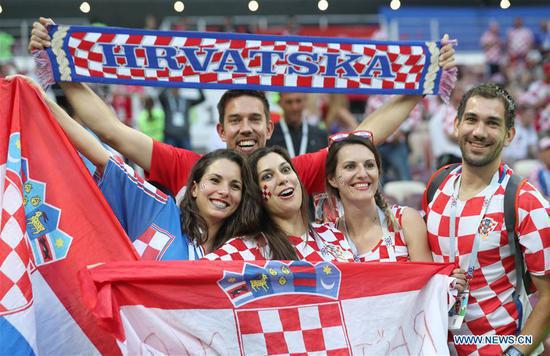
{"x": 286, "y": 233}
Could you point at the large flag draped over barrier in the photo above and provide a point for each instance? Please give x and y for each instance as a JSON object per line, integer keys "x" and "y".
{"x": 272, "y": 307}
{"x": 242, "y": 61}
{"x": 54, "y": 222}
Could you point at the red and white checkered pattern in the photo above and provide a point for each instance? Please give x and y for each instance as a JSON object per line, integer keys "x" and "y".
{"x": 407, "y": 62}
{"x": 328, "y": 244}
{"x": 15, "y": 260}
{"x": 306, "y": 330}
{"x": 491, "y": 308}
{"x": 152, "y": 244}
{"x": 520, "y": 41}
{"x": 380, "y": 252}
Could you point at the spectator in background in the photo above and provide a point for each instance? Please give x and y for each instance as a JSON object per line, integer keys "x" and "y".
{"x": 6, "y": 42}
{"x": 538, "y": 97}
{"x": 151, "y": 22}
{"x": 293, "y": 132}
{"x": 492, "y": 47}
{"x": 541, "y": 176}
{"x": 151, "y": 120}
{"x": 520, "y": 42}
{"x": 524, "y": 144}
{"x": 292, "y": 26}
{"x": 395, "y": 150}
{"x": 445, "y": 149}
{"x": 177, "y": 116}
{"x": 542, "y": 38}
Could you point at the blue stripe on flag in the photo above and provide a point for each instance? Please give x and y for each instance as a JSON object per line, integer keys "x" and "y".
{"x": 11, "y": 340}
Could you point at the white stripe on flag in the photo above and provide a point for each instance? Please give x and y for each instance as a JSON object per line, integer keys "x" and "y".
{"x": 57, "y": 332}
{"x": 173, "y": 332}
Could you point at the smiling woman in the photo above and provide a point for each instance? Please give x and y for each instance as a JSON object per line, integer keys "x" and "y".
{"x": 286, "y": 233}
{"x": 375, "y": 231}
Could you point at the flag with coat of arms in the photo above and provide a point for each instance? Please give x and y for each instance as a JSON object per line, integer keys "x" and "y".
{"x": 272, "y": 307}
{"x": 53, "y": 222}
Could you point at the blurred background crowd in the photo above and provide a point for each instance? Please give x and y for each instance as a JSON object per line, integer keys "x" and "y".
{"x": 506, "y": 44}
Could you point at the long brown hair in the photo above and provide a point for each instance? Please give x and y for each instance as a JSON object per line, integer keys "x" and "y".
{"x": 277, "y": 239}
{"x": 332, "y": 162}
{"x": 241, "y": 222}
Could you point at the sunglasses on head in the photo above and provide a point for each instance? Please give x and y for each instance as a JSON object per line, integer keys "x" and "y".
{"x": 340, "y": 136}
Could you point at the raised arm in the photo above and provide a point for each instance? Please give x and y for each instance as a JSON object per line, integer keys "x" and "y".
{"x": 386, "y": 120}
{"x": 84, "y": 141}
{"x": 95, "y": 114}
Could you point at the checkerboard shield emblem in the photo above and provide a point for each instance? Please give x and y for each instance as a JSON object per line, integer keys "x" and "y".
{"x": 293, "y": 330}
{"x": 153, "y": 243}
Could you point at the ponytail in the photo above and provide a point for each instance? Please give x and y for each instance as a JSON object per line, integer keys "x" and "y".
{"x": 382, "y": 203}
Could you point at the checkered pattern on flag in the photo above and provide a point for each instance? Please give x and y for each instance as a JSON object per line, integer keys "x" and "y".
{"x": 242, "y": 61}
{"x": 293, "y": 330}
{"x": 47, "y": 234}
{"x": 192, "y": 307}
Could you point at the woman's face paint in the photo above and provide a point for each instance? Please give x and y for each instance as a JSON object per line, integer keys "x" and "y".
{"x": 266, "y": 193}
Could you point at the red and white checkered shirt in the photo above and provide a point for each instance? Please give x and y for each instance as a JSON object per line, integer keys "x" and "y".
{"x": 520, "y": 41}
{"x": 492, "y": 46}
{"x": 491, "y": 309}
{"x": 327, "y": 244}
{"x": 380, "y": 252}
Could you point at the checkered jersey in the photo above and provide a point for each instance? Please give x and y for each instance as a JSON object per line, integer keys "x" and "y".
{"x": 150, "y": 218}
{"x": 326, "y": 244}
{"x": 85, "y": 47}
{"x": 491, "y": 308}
{"x": 380, "y": 252}
{"x": 305, "y": 330}
{"x": 15, "y": 257}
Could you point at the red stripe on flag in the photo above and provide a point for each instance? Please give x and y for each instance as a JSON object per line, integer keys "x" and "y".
{"x": 305, "y": 282}
{"x": 84, "y": 214}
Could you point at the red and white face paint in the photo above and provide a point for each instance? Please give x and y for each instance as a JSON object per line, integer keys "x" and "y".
{"x": 356, "y": 175}
{"x": 280, "y": 184}
{"x": 266, "y": 193}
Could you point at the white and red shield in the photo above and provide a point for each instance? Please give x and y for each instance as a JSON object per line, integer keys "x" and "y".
{"x": 293, "y": 330}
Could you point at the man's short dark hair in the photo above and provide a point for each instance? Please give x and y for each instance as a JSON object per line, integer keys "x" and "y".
{"x": 235, "y": 93}
{"x": 491, "y": 91}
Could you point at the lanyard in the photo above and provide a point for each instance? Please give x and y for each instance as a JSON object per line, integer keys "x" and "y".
{"x": 493, "y": 186}
{"x": 288, "y": 139}
{"x": 176, "y": 103}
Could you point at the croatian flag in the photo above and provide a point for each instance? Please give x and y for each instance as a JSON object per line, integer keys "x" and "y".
{"x": 272, "y": 307}
{"x": 53, "y": 223}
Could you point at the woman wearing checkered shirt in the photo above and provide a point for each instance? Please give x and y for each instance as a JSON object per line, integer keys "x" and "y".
{"x": 375, "y": 231}
{"x": 286, "y": 231}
